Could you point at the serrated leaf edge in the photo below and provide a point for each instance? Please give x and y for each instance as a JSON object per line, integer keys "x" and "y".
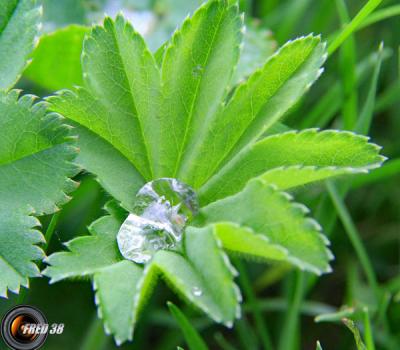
{"x": 325, "y": 133}
{"x": 172, "y": 46}
{"x": 37, "y": 11}
{"x": 257, "y": 235}
{"x": 27, "y": 101}
{"x": 304, "y": 210}
{"x": 110, "y": 25}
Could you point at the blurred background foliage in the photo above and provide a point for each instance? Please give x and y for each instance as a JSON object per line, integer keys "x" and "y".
{"x": 288, "y": 308}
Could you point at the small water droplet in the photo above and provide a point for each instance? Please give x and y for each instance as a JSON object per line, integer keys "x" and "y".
{"x": 163, "y": 208}
{"x": 238, "y": 312}
{"x": 197, "y": 71}
{"x": 197, "y": 292}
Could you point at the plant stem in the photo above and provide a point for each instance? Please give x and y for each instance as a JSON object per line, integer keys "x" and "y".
{"x": 252, "y": 301}
{"x": 288, "y": 333}
{"x": 353, "y": 235}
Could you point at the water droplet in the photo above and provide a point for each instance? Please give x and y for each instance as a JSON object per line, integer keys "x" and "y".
{"x": 229, "y": 324}
{"x": 238, "y": 312}
{"x": 197, "y": 292}
{"x": 163, "y": 208}
{"x": 197, "y": 71}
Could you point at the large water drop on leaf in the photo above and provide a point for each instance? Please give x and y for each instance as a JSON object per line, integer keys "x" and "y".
{"x": 163, "y": 208}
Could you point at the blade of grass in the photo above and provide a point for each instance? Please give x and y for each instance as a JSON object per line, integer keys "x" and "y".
{"x": 290, "y": 324}
{"x": 325, "y": 213}
{"x": 393, "y": 286}
{"x": 222, "y": 342}
{"x": 352, "y": 278}
{"x": 95, "y": 338}
{"x": 373, "y": 18}
{"x": 356, "y": 333}
{"x": 51, "y": 228}
{"x": 319, "y": 346}
{"x": 327, "y": 106}
{"x": 347, "y": 68}
{"x": 272, "y": 275}
{"x": 307, "y": 307}
{"x": 338, "y": 194}
{"x": 365, "y": 119}
{"x": 261, "y": 326}
{"x": 294, "y": 11}
{"x": 324, "y": 16}
{"x": 366, "y": 10}
{"x": 382, "y": 310}
{"x": 192, "y": 337}
{"x": 265, "y": 7}
{"x": 246, "y": 334}
{"x": 380, "y": 15}
{"x": 354, "y": 237}
{"x": 388, "y": 98}
{"x": 368, "y": 337}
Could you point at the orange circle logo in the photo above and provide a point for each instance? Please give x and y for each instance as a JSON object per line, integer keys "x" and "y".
{"x": 24, "y": 328}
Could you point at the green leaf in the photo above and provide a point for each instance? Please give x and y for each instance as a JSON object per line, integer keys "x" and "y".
{"x": 188, "y": 273}
{"x": 196, "y": 69}
{"x": 262, "y": 209}
{"x": 63, "y": 45}
{"x": 17, "y": 250}
{"x": 87, "y": 254}
{"x": 244, "y": 240}
{"x": 192, "y": 337}
{"x": 319, "y": 347}
{"x": 35, "y": 162}
{"x": 258, "y": 45}
{"x": 19, "y": 24}
{"x": 119, "y": 177}
{"x": 114, "y": 279}
{"x": 255, "y": 106}
{"x": 121, "y": 78}
{"x": 115, "y": 291}
{"x": 295, "y": 158}
{"x": 210, "y": 290}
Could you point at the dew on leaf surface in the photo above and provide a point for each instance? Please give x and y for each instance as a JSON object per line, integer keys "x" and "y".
{"x": 197, "y": 71}
{"x": 163, "y": 208}
{"x": 197, "y": 292}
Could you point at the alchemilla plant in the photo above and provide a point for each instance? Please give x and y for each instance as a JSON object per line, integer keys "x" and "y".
{"x": 199, "y": 166}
